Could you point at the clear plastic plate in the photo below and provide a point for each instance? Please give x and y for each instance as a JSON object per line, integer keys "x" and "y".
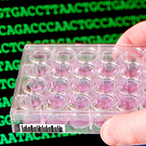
{"x": 75, "y": 88}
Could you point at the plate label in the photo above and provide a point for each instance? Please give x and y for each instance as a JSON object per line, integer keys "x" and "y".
{"x": 50, "y": 128}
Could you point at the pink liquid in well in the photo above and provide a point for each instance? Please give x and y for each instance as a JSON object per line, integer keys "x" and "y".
{"x": 41, "y": 69}
{"x": 55, "y": 102}
{"x": 106, "y": 86}
{"x": 36, "y": 85}
{"x": 62, "y": 70}
{"x": 30, "y": 101}
{"x": 128, "y": 103}
{"x": 130, "y": 86}
{"x": 103, "y": 102}
{"x": 60, "y": 85}
{"x": 131, "y": 70}
{"x": 82, "y": 86}
{"x": 108, "y": 70}
{"x": 79, "y": 102}
{"x": 36, "y": 101}
{"x": 84, "y": 70}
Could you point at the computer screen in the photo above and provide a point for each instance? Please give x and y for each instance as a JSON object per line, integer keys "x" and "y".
{"x": 23, "y": 22}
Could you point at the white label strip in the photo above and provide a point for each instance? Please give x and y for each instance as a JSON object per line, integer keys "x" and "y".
{"x": 50, "y": 128}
